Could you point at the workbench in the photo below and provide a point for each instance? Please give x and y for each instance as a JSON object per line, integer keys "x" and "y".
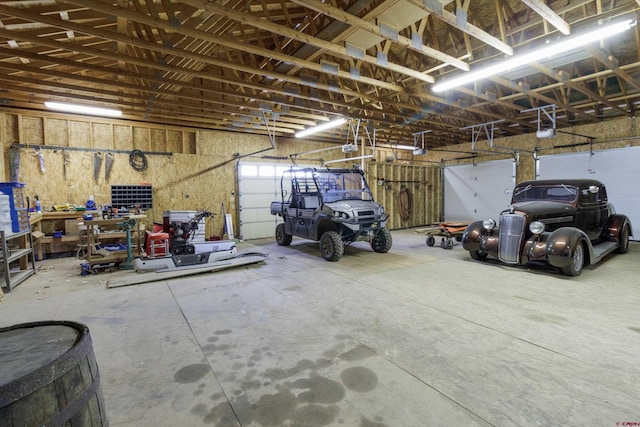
{"x": 43, "y": 226}
{"x": 94, "y": 236}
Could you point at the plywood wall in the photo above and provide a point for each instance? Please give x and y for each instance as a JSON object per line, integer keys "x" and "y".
{"x": 189, "y": 169}
{"x": 193, "y": 169}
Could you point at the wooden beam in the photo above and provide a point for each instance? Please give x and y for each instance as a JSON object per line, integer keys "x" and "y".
{"x": 204, "y": 36}
{"x": 549, "y": 15}
{"x": 372, "y": 28}
{"x": 306, "y": 38}
{"x": 468, "y": 28}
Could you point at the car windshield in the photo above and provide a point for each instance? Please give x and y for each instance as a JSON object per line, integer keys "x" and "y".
{"x": 342, "y": 186}
{"x": 554, "y": 193}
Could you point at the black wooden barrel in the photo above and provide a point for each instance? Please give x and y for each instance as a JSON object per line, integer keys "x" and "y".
{"x": 49, "y": 376}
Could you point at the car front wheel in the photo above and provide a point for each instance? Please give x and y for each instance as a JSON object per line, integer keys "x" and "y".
{"x": 331, "y": 246}
{"x": 477, "y": 255}
{"x": 577, "y": 262}
{"x": 282, "y": 238}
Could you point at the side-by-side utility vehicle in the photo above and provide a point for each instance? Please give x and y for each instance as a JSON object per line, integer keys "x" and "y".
{"x": 565, "y": 223}
{"x": 333, "y": 206}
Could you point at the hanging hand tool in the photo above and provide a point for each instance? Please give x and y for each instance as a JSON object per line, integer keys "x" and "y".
{"x": 66, "y": 159}
{"x": 107, "y": 166}
{"x": 97, "y": 162}
{"x": 14, "y": 163}
{"x": 38, "y": 153}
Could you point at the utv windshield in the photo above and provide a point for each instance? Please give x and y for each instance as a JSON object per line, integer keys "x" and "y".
{"x": 550, "y": 193}
{"x": 342, "y": 186}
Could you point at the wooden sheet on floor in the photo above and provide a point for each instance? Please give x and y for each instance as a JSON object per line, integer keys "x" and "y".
{"x": 139, "y": 278}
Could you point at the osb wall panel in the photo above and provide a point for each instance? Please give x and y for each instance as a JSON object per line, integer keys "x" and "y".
{"x": 158, "y": 139}
{"x": 122, "y": 137}
{"x": 31, "y": 130}
{"x": 56, "y": 132}
{"x": 141, "y": 139}
{"x": 10, "y": 129}
{"x": 174, "y": 141}
{"x": 189, "y": 143}
{"x": 80, "y": 134}
{"x": 194, "y": 182}
{"x": 102, "y": 136}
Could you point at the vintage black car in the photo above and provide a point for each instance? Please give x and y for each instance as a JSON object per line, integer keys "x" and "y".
{"x": 565, "y": 223}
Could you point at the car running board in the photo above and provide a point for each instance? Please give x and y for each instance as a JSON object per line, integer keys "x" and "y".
{"x": 603, "y": 249}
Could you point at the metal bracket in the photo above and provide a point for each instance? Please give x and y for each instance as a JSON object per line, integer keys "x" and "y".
{"x": 548, "y": 112}
{"x": 271, "y": 131}
{"x": 477, "y": 130}
{"x": 419, "y": 137}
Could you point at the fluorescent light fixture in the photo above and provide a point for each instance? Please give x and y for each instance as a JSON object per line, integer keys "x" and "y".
{"x": 348, "y": 159}
{"x": 320, "y": 128}
{"x": 397, "y": 146}
{"x": 568, "y": 44}
{"x": 82, "y": 109}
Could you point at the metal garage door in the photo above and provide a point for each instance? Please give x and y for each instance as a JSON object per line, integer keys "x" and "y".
{"x": 258, "y": 186}
{"x": 475, "y": 192}
{"x": 617, "y": 169}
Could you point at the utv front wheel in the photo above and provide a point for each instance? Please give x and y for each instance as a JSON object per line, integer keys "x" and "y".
{"x": 282, "y": 238}
{"x": 382, "y": 241}
{"x": 331, "y": 246}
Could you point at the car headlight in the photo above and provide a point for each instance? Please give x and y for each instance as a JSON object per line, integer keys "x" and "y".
{"x": 342, "y": 215}
{"x": 489, "y": 224}
{"x": 536, "y": 227}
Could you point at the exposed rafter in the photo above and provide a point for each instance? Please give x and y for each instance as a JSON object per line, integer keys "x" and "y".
{"x": 217, "y": 64}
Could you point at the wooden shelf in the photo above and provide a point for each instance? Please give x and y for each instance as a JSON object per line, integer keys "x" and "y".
{"x": 64, "y": 215}
{"x": 92, "y": 238}
{"x": 22, "y": 255}
{"x": 44, "y": 224}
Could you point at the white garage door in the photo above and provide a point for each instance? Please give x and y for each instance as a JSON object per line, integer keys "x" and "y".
{"x": 475, "y": 192}
{"x": 617, "y": 169}
{"x": 258, "y": 186}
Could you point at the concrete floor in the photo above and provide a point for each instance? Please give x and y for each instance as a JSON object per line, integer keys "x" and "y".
{"x": 416, "y": 337}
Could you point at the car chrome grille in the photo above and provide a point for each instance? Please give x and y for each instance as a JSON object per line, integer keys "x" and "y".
{"x": 511, "y": 233}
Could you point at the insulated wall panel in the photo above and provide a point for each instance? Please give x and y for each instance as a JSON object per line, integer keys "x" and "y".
{"x": 617, "y": 169}
{"x": 476, "y": 192}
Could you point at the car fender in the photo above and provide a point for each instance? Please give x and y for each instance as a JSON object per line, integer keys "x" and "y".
{"x": 472, "y": 236}
{"x": 562, "y": 242}
{"x": 477, "y": 239}
{"x": 615, "y": 225}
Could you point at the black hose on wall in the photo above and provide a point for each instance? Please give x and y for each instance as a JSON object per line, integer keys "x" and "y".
{"x": 138, "y": 160}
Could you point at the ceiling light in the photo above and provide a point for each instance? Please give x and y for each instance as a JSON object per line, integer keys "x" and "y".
{"x": 320, "y": 128}
{"x": 395, "y": 146}
{"x": 567, "y": 44}
{"x": 82, "y": 109}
